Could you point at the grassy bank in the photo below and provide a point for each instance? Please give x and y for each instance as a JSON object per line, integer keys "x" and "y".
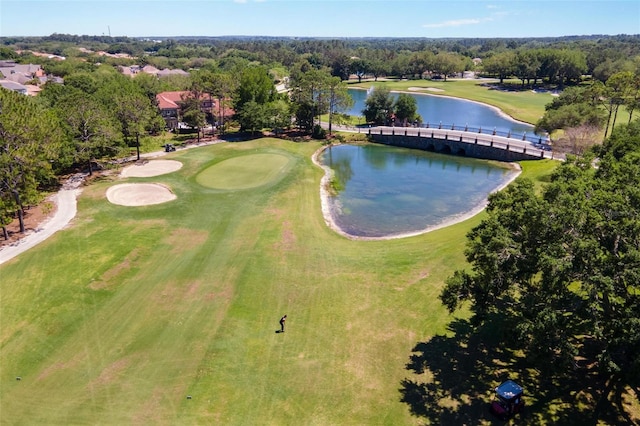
{"x": 167, "y": 314}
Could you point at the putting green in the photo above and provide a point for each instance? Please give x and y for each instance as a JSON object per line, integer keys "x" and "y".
{"x": 246, "y": 171}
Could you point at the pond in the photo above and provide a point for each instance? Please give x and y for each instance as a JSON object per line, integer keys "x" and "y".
{"x": 384, "y": 191}
{"x": 435, "y": 109}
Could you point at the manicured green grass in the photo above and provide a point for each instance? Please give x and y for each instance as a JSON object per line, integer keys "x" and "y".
{"x": 523, "y": 105}
{"x": 247, "y": 171}
{"x": 123, "y": 315}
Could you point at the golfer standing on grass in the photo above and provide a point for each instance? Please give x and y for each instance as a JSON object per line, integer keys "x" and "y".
{"x": 282, "y": 320}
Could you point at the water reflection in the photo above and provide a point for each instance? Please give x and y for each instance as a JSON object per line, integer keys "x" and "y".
{"x": 384, "y": 191}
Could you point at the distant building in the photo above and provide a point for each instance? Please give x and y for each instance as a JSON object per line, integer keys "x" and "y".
{"x": 25, "y": 73}
{"x": 166, "y": 72}
{"x": 20, "y": 73}
{"x": 12, "y": 85}
{"x": 170, "y": 106}
{"x": 150, "y": 69}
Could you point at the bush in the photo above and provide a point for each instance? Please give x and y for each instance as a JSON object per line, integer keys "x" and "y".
{"x": 319, "y": 132}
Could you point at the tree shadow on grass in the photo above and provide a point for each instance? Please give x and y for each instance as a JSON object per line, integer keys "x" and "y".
{"x": 454, "y": 379}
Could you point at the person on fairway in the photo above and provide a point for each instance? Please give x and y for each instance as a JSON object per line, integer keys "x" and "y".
{"x": 282, "y": 320}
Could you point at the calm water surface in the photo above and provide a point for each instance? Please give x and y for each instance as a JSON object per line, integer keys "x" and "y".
{"x": 436, "y": 109}
{"x": 388, "y": 191}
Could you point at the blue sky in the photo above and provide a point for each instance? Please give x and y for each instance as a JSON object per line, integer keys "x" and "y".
{"x": 320, "y": 18}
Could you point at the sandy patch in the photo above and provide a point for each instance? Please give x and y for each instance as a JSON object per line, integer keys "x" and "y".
{"x": 139, "y": 194}
{"x": 420, "y": 89}
{"x": 151, "y": 168}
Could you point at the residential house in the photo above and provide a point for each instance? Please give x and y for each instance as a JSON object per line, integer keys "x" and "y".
{"x": 170, "y": 106}
{"x": 131, "y": 71}
{"x": 12, "y": 85}
{"x": 167, "y": 72}
{"x": 150, "y": 69}
{"x": 20, "y": 73}
{"x": 25, "y": 73}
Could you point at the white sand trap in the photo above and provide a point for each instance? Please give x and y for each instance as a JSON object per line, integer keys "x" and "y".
{"x": 429, "y": 89}
{"x": 151, "y": 168}
{"x": 139, "y": 194}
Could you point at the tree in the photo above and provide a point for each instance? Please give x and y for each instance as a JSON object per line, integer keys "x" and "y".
{"x": 254, "y": 91}
{"x": 575, "y": 107}
{"x": 421, "y": 62}
{"x": 279, "y": 112}
{"x": 618, "y": 90}
{"x": 501, "y": 64}
{"x": 6, "y": 53}
{"x": 340, "y": 66}
{"x": 378, "y": 106}
{"x": 90, "y": 125}
{"x": 252, "y": 116}
{"x": 309, "y": 95}
{"x": 193, "y": 115}
{"x": 562, "y": 267}
{"x": 446, "y": 63}
{"x": 526, "y": 65}
{"x": 573, "y": 64}
{"x": 360, "y": 67}
{"x": 221, "y": 85}
{"x": 30, "y": 140}
{"x": 132, "y": 109}
{"x": 379, "y": 68}
{"x": 578, "y": 140}
{"x": 406, "y": 108}
{"x": 337, "y": 96}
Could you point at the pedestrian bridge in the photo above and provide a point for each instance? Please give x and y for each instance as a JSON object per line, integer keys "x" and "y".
{"x": 464, "y": 141}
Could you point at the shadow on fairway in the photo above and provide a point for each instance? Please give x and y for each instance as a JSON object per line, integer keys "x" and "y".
{"x": 454, "y": 379}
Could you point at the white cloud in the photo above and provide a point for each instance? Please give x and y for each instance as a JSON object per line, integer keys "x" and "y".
{"x": 454, "y": 23}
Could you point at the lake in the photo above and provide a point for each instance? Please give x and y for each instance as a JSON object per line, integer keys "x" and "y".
{"x": 386, "y": 191}
{"x": 435, "y": 109}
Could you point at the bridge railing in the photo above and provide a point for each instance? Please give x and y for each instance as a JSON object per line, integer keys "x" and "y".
{"x": 524, "y": 136}
{"x": 499, "y": 140}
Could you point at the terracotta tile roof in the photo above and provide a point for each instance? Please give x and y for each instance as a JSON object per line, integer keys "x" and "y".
{"x": 170, "y": 100}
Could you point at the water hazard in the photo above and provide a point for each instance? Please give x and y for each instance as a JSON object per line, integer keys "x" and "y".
{"x": 445, "y": 110}
{"x": 385, "y": 191}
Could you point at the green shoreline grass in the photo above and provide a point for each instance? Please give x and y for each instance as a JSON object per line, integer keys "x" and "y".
{"x": 121, "y": 316}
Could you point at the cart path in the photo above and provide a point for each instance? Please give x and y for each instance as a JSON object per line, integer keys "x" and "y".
{"x": 66, "y": 207}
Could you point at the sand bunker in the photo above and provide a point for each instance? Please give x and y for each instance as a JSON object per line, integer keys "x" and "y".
{"x": 151, "y": 168}
{"x": 139, "y": 194}
{"x": 420, "y": 89}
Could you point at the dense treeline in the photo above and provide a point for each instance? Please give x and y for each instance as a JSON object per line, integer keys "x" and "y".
{"x": 601, "y": 52}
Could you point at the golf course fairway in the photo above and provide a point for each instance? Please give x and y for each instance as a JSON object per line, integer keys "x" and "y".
{"x": 167, "y": 314}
